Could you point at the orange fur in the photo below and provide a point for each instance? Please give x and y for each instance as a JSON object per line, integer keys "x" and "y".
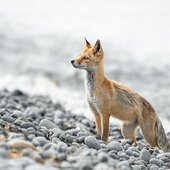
{"x": 110, "y": 98}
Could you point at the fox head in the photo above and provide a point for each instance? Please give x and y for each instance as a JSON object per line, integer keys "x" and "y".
{"x": 90, "y": 57}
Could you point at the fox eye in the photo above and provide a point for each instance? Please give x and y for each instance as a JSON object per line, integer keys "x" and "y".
{"x": 86, "y": 58}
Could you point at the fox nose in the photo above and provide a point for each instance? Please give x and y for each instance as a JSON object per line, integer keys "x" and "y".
{"x": 72, "y": 61}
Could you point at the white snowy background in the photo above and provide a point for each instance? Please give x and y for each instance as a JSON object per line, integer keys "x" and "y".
{"x": 38, "y": 38}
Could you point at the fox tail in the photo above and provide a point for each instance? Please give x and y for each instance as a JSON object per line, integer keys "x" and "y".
{"x": 162, "y": 140}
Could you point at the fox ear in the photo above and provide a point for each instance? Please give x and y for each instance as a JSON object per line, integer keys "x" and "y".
{"x": 87, "y": 43}
{"x": 97, "y": 47}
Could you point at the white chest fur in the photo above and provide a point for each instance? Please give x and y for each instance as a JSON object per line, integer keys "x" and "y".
{"x": 90, "y": 85}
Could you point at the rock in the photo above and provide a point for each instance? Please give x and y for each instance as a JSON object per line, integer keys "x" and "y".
{"x": 123, "y": 164}
{"x": 62, "y": 147}
{"x": 101, "y": 166}
{"x": 145, "y": 155}
{"x": 102, "y": 157}
{"x": 80, "y": 134}
{"x": 92, "y": 142}
{"x": 48, "y": 124}
{"x": 40, "y": 141}
{"x": 56, "y": 132}
{"x": 122, "y": 154}
{"x": 8, "y": 118}
{"x": 27, "y": 125}
{"x": 137, "y": 167}
{"x": 165, "y": 159}
{"x": 154, "y": 167}
{"x": 115, "y": 145}
{"x": 32, "y": 112}
{"x": 4, "y": 145}
{"x": 85, "y": 165}
{"x": 156, "y": 162}
{"x": 167, "y": 154}
{"x": 3, "y": 153}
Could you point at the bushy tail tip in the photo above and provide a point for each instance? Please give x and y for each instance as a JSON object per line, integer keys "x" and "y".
{"x": 162, "y": 140}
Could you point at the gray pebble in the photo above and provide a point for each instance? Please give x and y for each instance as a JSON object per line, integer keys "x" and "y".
{"x": 122, "y": 154}
{"x": 3, "y": 153}
{"x": 154, "y": 167}
{"x": 167, "y": 155}
{"x": 56, "y": 132}
{"x": 4, "y": 145}
{"x": 80, "y": 134}
{"x": 62, "y": 147}
{"x": 40, "y": 141}
{"x": 145, "y": 155}
{"x": 101, "y": 166}
{"x": 102, "y": 157}
{"x": 47, "y": 123}
{"x": 32, "y": 112}
{"x": 27, "y": 125}
{"x": 115, "y": 145}
{"x": 165, "y": 159}
{"x": 31, "y": 137}
{"x": 113, "y": 155}
{"x": 92, "y": 142}
{"x": 137, "y": 167}
{"x": 85, "y": 165}
{"x": 81, "y": 139}
{"x": 156, "y": 162}
{"x": 123, "y": 164}
{"x": 8, "y": 118}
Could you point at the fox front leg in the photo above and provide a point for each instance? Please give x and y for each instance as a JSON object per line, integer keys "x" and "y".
{"x": 105, "y": 127}
{"x": 98, "y": 125}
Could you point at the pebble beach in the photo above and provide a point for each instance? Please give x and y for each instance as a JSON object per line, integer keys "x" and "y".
{"x": 36, "y": 133}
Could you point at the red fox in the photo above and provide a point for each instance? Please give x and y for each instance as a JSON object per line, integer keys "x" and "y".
{"x": 110, "y": 98}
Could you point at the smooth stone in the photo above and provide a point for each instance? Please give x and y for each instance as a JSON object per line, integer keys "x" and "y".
{"x": 123, "y": 164}
{"x": 115, "y": 145}
{"x": 102, "y": 157}
{"x": 156, "y": 162}
{"x": 38, "y": 133}
{"x": 101, "y": 166}
{"x": 167, "y": 155}
{"x": 40, "y": 141}
{"x": 160, "y": 155}
{"x": 92, "y": 142}
{"x": 56, "y": 132}
{"x": 145, "y": 155}
{"x": 3, "y": 153}
{"x": 136, "y": 167}
{"x": 8, "y": 118}
{"x": 32, "y": 112}
{"x": 114, "y": 156}
{"x": 80, "y": 134}
{"x": 154, "y": 167}
{"x": 85, "y": 165}
{"x": 165, "y": 159}
{"x": 27, "y": 125}
{"x": 81, "y": 139}
{"x": 4, "y": 145}
{"x": 47, "y": 123}
{"x": 122, "y": 154}
{"x": 103, "y": 146}
{"x": 62, "y": 147}
{"x": 31, "y": 137}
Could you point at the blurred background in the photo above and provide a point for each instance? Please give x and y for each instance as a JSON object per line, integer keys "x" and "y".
{"x": 38, "y": 38}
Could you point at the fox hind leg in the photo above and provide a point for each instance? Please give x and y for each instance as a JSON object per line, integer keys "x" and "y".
{"x": 128, "y": 130}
